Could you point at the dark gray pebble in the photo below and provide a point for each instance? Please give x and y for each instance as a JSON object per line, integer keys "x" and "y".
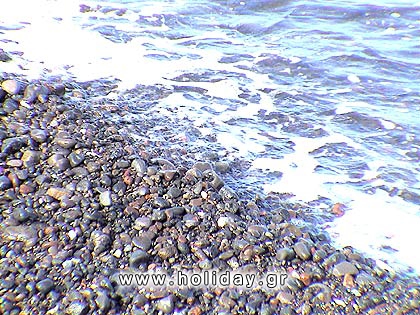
{"x": 5, "y": 183}
{"x": 142, "y": 242}
{"x": 285, "y": 254}
{"x": 138, "y": 257}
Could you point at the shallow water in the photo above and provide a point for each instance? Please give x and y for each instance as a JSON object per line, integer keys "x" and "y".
{"x": 319, "y": 101}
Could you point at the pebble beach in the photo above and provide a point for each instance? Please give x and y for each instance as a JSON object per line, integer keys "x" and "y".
{"x": 81, "y": 200}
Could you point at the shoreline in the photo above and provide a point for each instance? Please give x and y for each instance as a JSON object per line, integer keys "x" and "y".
{"x": 81, "y": 200}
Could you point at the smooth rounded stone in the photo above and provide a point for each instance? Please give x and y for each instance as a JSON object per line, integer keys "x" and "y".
{"x": 174, "y": 211}
{"x": 257, "y": 231}
{"x": 14, "y": 163}
{"x": 59, "y": 162}
{"x": 319, "y": 255}
{"x": 164, "y": 164}
{"x": 65, "y": 140}
{"x": 5, "y": 183}
{"x": 21, "y": 233}
{"x": 302, "y": 250}
{"x": 285, "y": 254}
{"x": 166, "y": 304}
{"x": 343, "y": 268}
{"x": 227, "y": 254}
{"x": 45, "y": 285}
{"x": 3, "y": 134}
{"x": 31, "y": 157}
{"x": 174, "y": 192}
{"x": 215, "y": 181}
{"x": 142, "y": 242}
{"x": 58, "y": 193}
{"x": 167, "y": 252}
{"x": 11, "y": 86}
{"x": 205, "y": 264}
{"x": 31, "y": 93}
{"x": 190, "y": 220}
{"x": 140, "y": 166}
{"x": 318, "y": 293}
{"x": 142, "y": 222}
{"x": 77, "y": 308}
{"x": 12, "y": 145}
{"x": 75, "y": 159}
{"x": 105, "y": 198}
{"x": 10, "y": 105}
{"x": 22, "y": 214}
{"x": 138, "y": 257}
{"x": 103, "y": 302}
{"x": 39, "y": 135}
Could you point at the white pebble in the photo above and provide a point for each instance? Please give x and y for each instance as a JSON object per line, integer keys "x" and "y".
{"x": 105, "y": 198}
{"x": 72, "y": 234}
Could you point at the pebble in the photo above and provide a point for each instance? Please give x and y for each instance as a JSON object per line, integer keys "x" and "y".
{"x": 12, "y": 145}
{"x": 75, "y": 159}
{"x": 166, "y": 304}
{"x": 59, "y": 162}
{"x": 22, "y": 233}
{"x": 102, "y": 301}
{"x": 58, "y": 193}
{"x": 5, "y": 183}
{"x": 302, "y": 251}
{"x": 167, "y": 252}
{"x": 343, "y": 268}
{"x": 10, "y": 105}
{"x": 285, "y": 254}
{"x": 22, "y": 214}
{"x": 64, "y": 140}
{"x": 138, "y": 257}
{"x": 45, "y": 285}
{"x": 140, "y": 166}
{"x": 12, "y": 87}
{"x": 142, "y": 242}
{"x": 39, "y": 135}
{"x": 77, "y": 308}
{"x": 31, "y": 158}
{"x": 105, "y": 198}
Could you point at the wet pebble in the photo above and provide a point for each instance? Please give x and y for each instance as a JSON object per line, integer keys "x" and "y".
{"x": 285, "y": 254}
{"x": 23, "y": 233}
{"x": 31, "y": 157}
{"x": 103, "y": 301}
{"x": 140, "y": 166}
{"x": 167, "y": 252}
{"x": 22, "y": 214}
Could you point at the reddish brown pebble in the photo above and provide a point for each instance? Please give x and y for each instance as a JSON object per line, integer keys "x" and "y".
{"x": 25, "y": 189}
{"x": 195, "y": 311}
{"x": 338, "y": 209}
{"x": 127, "y": 179}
